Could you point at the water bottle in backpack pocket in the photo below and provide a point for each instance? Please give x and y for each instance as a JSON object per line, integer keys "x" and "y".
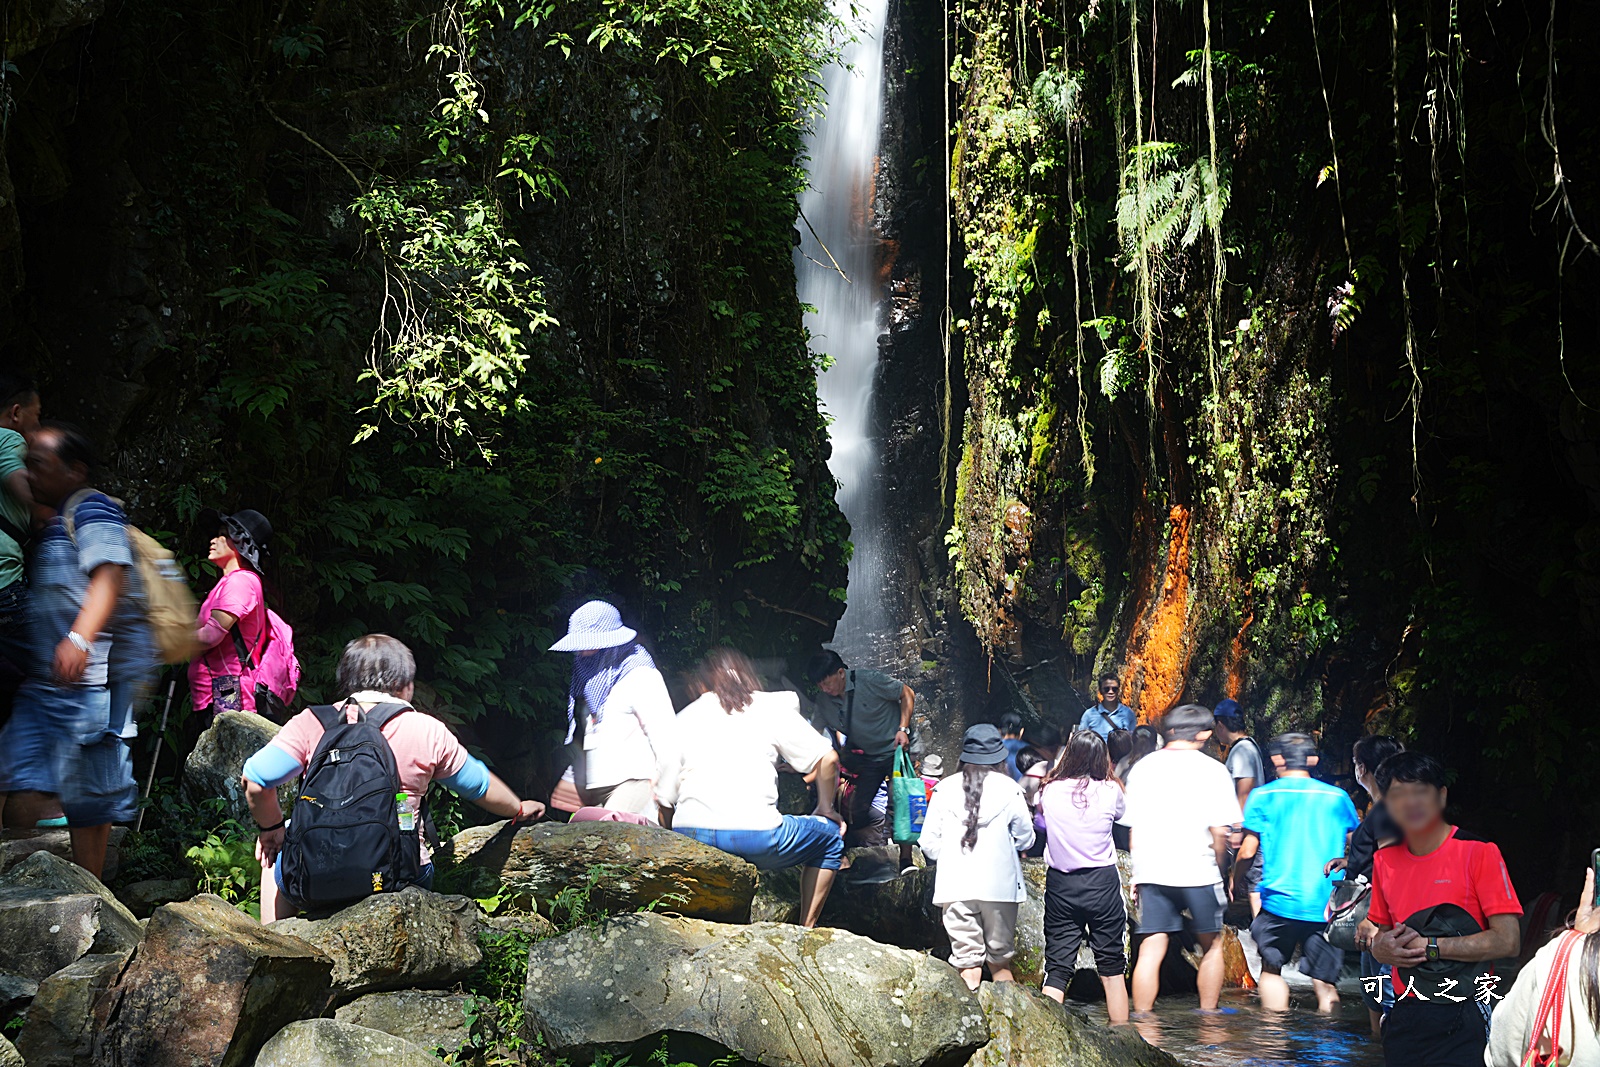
{"x": 346, "y": 839}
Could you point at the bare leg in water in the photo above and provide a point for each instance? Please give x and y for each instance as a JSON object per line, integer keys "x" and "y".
{"x": 1116, "y": 988}
{"x": 815, "y": 883}
{"x": 1147, "y": 971}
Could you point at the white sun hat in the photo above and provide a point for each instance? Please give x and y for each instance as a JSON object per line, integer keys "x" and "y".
{"x": 593, "y": 626}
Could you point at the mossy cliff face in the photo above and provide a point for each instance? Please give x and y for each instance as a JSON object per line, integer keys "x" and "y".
{"x": 1271, "y": 385}
{"x": 536, "y": 258}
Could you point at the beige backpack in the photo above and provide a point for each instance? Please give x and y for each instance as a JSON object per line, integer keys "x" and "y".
{"x": 168, "y": 607}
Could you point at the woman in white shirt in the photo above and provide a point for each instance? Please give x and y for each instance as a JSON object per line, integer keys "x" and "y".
{"x": 723, "y": 790}
{"x": 977, "y": 822}
{"x": 620, "y": 726}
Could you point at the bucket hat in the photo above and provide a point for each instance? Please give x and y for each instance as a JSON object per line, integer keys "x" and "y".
{"x": 983, "y": 746}
{"x": 249, "y": 531}
{"x": 593, "y": 626}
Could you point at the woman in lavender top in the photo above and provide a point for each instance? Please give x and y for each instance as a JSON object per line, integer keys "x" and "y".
{"x": 1079, "y": 802}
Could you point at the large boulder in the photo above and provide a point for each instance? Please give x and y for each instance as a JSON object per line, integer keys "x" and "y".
{"x": 18, "y": 845}
{"x": 1026, "y": 1030}
{"x": 52, "y": 912}
{"x": 634, "y": 866}
{"x": 207, "y": 987}
{"x": 15, "y": 994}
{"x": 330, "y": 1043}
{"x": 216, "y": 766}
{"x": 58, "y": 1031}
{"x": 431, "y": 1020}
{"x": 9, "y": 1056}
{"x": 777, "y": 994}
{"x": 412, "y": 939}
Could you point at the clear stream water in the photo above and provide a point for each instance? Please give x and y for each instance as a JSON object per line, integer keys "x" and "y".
{"x": 1240, "y": 1034}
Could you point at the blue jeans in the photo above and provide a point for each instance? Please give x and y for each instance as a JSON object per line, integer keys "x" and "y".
{"x": 801, "y": 841}
{"x": 72, "y": 741}
{"x": 1379, "y": 995}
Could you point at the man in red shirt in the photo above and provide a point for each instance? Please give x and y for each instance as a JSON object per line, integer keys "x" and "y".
{"x": 1444, "y": 989}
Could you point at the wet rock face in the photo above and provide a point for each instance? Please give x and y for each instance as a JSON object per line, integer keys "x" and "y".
{"x": 208, "y": 985}
{"x": 645, "y": 865}
{"x": 409, "y": 939}
{"x": 329, "y": 1043}
{"x": 1026, "y": 1030}
{"x": 780, "y": 995}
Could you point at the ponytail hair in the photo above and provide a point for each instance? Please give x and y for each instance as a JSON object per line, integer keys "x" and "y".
{"x": 972, "y": 779}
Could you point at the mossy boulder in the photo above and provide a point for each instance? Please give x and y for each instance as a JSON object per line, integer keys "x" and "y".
{"x": 1027, "y": 1030}
{"x": 637, "y": 867}
{"x": 773, "y": 993}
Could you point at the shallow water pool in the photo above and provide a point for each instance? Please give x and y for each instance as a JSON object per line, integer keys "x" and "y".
{"x": 1240, "y": 1033}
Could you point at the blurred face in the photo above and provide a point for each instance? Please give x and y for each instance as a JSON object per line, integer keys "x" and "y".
{"x": 833, "y": 684}
{"x": 51, "y": 480}
{"x": 222, "y": 551}
{"x": 1110, "y": 692}
{"x": 1415, "y": 806}
{"x": 24, "y": 418}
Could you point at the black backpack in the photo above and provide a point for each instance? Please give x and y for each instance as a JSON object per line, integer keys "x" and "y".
{"x": 344, "y": 841}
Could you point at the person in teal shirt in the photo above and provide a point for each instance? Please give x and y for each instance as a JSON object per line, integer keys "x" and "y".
{"x": 1298, "y": 824}
{"x": 19, "y": 416}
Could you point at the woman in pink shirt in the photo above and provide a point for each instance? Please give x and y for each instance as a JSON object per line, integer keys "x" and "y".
{"x": 1083, "y": 890}
{"x": 218, "y": 680}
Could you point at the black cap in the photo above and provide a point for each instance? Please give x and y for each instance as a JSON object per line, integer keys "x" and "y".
{"x": 249, "y": 531}
{"x": 983, "y": 746}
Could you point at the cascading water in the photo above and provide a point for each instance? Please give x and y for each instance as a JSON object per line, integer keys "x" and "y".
{"x": 836, "y": 270}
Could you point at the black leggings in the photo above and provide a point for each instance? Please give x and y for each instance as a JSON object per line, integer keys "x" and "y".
{"x": 1074, "y": 901}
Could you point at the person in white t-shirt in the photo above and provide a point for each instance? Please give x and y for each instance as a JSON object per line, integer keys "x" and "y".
{"x": 1181, "y": 807}
{"x": 722, "y": 790}
{"x": 620, "y": 726}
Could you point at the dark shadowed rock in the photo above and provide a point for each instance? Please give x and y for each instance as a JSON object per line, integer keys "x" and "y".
{"x": 144, "y": 897}
{"x": 207, "y": 987}
{"x": 18, "y": 845}
{"x": 330, "y": 1043}
{"x": 777, "y": 994}
{"x": 52, "y": 912}
{"x": 646, "y": 865}
{"x": 59, "y": 1031}
{"x": 871, "y": 898}
{"x": 15, "y": 993}
{"x": 427, "y": 1019}
{"x": 215, "y": 767}
{"x": 1026, "y": 1030}
{"x": 410, "y": 939}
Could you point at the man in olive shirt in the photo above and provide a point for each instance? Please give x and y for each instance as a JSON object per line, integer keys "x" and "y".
{"x": 869, "y": 714}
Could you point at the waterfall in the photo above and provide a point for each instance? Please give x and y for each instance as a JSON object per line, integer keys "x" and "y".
{"x": 837, "y": 236}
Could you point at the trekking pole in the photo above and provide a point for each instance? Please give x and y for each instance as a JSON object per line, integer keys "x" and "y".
{"x": 150, "y": 780}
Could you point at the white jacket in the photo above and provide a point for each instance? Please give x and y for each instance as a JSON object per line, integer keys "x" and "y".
{"x": 637, "y": 737}
{"x": 1513, "y": 1016}
{"x": 991, "y": 871}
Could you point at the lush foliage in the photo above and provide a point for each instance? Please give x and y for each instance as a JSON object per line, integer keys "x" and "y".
{"x": 490, "y": 309}
{"x": 1263, "y": 344}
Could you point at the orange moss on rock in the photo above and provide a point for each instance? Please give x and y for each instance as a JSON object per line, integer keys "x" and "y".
{"x": 1238, "y": 653}
{"x": 1158, "y": 657}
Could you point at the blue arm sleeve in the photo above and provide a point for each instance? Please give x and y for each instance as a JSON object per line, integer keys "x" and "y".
{"x": 271, "y": 766}
{"x": 471, "y": 782}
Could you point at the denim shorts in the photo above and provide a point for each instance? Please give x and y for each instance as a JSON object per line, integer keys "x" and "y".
{"x": 69, "y": 740}
{"x": 801, "y": 841}
{"x": 1161, "y": 908}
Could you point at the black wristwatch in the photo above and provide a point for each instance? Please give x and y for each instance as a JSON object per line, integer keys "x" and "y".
{"x": 1433, "y": 950}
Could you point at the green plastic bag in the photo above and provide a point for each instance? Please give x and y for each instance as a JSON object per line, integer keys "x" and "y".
{"x": 908, "y": 798}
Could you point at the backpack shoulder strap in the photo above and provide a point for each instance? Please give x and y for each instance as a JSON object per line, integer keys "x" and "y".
{"x": 380, "y": 715}
{"x": 328, "y": 715}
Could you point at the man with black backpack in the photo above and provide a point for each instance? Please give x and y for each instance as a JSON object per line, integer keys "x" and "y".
{"x": 357, "y": 825}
